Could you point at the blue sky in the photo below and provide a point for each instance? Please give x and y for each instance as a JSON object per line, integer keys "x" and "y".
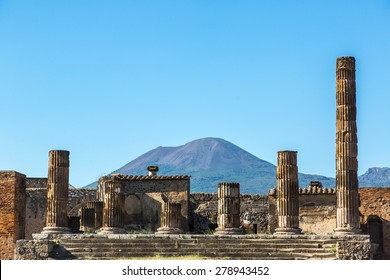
{"x": 111, "y": 80}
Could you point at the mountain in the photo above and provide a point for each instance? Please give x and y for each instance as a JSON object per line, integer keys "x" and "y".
{"x": 212, "y": 160}
{"x": 375, "y": 177}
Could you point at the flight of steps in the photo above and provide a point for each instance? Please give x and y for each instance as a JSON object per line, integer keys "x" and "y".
{"x": 204, "y": 246}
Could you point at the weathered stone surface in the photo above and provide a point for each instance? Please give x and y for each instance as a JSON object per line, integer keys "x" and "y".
{"x": 355, "y": 250}
{"x": 114, "y": 204}
{"x": 347, "y": 217}
{"x": 228, "y": 209}
{"x": 170, "y": 219}
{"x": 287, "y": 193}
{"x": 12, "y": 211}
{"x": 57, "y": 192}
{"x": 37, "y": 249}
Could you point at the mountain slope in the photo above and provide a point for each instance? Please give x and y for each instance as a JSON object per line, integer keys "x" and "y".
{"x": 375, "y": 177}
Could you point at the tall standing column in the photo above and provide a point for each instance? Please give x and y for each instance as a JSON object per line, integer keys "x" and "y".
{"x": 347, "y": 217}
{"x": 57, "y": 193}
{"x": 170, "y": 218}
{"x": 287, "y": 187}
{"x": 228, "y": 209}
{"x": 114, "y": 207}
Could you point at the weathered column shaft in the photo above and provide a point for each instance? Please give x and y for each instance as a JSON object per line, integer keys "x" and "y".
{"x": 228, "y": 208}
{"x": 114, "y": 205}
{"x": 98, "y": 206}
{"x": 57, "y": 190}
{"x": 170, "y": 218}
{"x": 347, "y": 217}
{"x": 87, "y": 221}
{"x": 287, "y": 186}
{"x": 170, "y": 215}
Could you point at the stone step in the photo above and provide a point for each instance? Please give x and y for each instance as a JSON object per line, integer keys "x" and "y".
{"x": 211, "y": 255}
{"x": 193, "y": 250}
{"x": 195, "y": 245}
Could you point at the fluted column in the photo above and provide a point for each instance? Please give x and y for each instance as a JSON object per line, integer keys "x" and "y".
{"x": 347, "y": 217}
{"x": 114, "y": 205}
{"x": 287, "y": 187}
{"x": 57, "y": 193}
{"x": 98, "y": 206}
{"x": 228, "y": 209}
{"x": 87, "y": 221}
{"x": 170, "y": 218}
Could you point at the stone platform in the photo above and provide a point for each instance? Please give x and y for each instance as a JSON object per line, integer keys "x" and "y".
{"x": 240, "y": 247}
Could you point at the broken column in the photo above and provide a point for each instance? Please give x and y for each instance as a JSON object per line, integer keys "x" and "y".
{"x": 347, "y": 217}
{"x": 114, "y": 206}
{"x": 87, "y": 221}
{"x": 170, "y": 218}
{"x": 228, "y": 209}
{"x": 98, "y": 206}
{"x": 57, "y": 193}
{"x": 287, "y": 187}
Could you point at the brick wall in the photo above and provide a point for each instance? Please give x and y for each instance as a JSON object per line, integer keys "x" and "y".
{"x": 12, "y": 211}
{"x": 376, "y": 201}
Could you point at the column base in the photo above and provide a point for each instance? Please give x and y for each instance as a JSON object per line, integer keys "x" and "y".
{"x": 228, "y": 231}
{"x": 288, "y": 231}
{"x": 347, "y": 231}
{"x": 166, "y": 230}
{"x": 56, "y": 230}
{"x": 111, "y": 230}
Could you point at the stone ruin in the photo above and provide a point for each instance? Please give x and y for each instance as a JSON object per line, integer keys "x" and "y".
{"x": 162, "y": 204}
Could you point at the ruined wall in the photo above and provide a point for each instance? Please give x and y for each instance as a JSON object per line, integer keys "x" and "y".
{"x": 145, "y": 196}
{"x": 376, "y": 201}
{"x": 317, "y": 210}
{"x": 12, "y": 211}
{"x": 204, "y": 212}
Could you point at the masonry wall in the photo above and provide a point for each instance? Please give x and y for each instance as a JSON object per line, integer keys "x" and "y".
{"x": 376, "y": 202}
{"x": 204, "y": 212}
{"x": 12, "y": 211}
{"x": 317, "y": 210}
{"x": 144, "y": 199}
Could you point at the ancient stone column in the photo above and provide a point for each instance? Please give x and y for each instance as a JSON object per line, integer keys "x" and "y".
{"x": 347, "y": 217}
{"x": 98, "y": 206}
{"x": 87, "y": 221}
{"x": 287, "y": 187}
{"x": 170, "y": 218}
{"x": 114, "y": 207}
{"x": 228, "y": 209}
{"x": 57, "y": 193}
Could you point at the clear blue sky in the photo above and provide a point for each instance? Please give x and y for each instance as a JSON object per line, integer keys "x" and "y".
{"x": 111, "y": 80}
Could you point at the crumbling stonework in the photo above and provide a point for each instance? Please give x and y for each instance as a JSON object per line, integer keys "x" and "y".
{"x": 355, "y": 250}
{"x": 12, "y": 211}
{"x": 144, "y": 196}
{"x": 204, "y": 212}
{"x": 376, "y": 202}
{"x": 37, "y": 249}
